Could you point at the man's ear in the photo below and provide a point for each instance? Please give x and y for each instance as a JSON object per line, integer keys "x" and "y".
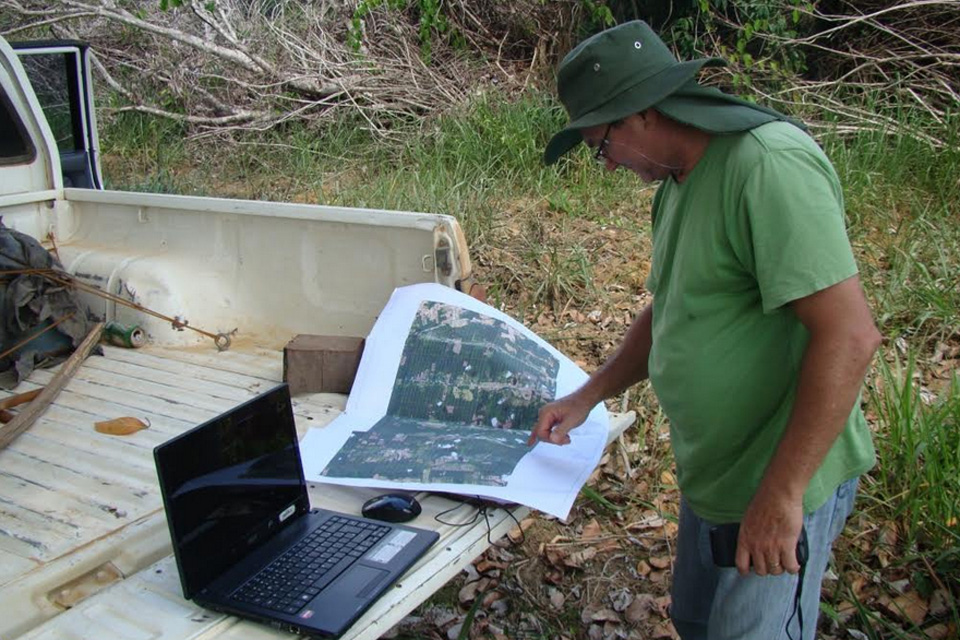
{"x": 640, "y": 119}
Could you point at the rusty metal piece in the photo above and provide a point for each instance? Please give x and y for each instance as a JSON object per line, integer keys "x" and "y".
{"x": 224, "y": 339}
{"x": 79, "y": 589}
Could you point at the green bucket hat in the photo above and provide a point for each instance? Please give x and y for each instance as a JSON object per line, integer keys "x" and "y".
{"x": 627, "y": 69}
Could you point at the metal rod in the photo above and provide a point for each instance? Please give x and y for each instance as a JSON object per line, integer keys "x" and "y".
{"x": 221, "y": 340}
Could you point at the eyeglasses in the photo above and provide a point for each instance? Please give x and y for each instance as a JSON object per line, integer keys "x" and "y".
{"x": 601, "y": 154}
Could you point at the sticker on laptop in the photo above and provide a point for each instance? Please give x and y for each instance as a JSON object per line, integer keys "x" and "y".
{"x": 306, "y": 615}
{"x": 391, "y": 546}
{"x": 289, "y": 511}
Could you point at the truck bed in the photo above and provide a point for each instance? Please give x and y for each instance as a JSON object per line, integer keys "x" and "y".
{"x": 82, "y": 516}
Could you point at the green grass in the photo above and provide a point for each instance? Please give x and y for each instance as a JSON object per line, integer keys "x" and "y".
{"x": 467, "y": 163}
{"x": 918, "y": 479}
{"x": 902, "y": 205}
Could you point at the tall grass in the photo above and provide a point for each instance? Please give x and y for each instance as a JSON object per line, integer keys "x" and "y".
{"x": 919, "y": 454}
{"x": 903, "y": 203}
{"x": 465, "y": 163}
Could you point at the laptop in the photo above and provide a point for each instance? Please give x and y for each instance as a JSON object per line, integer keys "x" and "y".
{"x": 244, "y": 536}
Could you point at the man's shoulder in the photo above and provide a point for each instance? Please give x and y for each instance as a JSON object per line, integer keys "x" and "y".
{"x": 773, "y": 144}
{"x": 770, "y": 138}
{"x": 782, "y": 136}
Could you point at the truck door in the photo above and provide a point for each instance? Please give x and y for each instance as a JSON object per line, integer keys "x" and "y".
{"x": 59, "y": 72}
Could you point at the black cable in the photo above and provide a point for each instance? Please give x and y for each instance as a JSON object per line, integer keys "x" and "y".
{"x": 797, "y": 605}
{"x": 482, "y": 506}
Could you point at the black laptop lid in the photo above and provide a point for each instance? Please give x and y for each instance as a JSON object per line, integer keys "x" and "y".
{"x": 231, "y": 484}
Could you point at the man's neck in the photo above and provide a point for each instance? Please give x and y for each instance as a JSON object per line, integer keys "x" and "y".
{"x": 693, "y": 145}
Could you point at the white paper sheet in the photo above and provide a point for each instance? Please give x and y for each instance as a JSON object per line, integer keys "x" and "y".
{"x": 460, "y": 412}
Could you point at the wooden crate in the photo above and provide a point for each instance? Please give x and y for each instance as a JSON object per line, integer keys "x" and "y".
{"x": 321, "y": 364}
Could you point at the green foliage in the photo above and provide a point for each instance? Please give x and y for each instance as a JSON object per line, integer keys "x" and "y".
{"x": 597, "y": 498}
{"x": 563, "y": 272}
{"x": 156, "y": 144}
{"x": 737, "y": 30}
{"x": 429, "y": 14}
{"x": 599, "y": 15}
{"x": 741, "y": 31}
{"x": 919, "y": 456}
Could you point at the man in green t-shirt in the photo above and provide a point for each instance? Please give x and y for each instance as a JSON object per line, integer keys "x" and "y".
{"x": 757, "y": 339}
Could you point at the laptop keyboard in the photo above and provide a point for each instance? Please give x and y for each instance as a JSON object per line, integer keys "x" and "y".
{"x": 296, "y": 577}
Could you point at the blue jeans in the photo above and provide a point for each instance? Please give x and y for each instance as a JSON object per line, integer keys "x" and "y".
{"x": 712, "y": 603}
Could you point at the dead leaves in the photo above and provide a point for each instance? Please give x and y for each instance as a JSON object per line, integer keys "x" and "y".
{"x": 909, "y": 607}
{"x": 885, "y": 547}
{"x": 516, "y": 534}
{"x": 483, "y": 582}
{"x": 469, "y": 591}
{"x": 596, "y": 613}
{"x": 896, "y": 600}
{"x": 569, "y": 558}
{"x": 557, "y": 599}
{"x": 592, "y": 569}
{"x": 591, "y": 530}
{"x": 120, "y": 426}
{"x": 664, "y": 629}
{"x": 940, "y": 603}
{"x": 628, "y": 609}
{"x": 640, "y": 609}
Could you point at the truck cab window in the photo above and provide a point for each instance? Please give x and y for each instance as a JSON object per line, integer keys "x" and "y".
{"x": 15, "y": 144}
{"x": 49, "y": 76}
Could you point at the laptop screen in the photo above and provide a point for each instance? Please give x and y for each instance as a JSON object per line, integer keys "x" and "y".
{"x": 229, "y": 484}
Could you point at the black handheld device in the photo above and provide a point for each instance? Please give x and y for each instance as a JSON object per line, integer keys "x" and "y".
{"x": 723, "y": 545}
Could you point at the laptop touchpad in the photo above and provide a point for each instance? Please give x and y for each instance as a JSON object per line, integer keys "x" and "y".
{"x": 361, "y": 580}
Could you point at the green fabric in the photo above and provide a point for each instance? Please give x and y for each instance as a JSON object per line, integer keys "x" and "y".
{"x": 758, "y": 223}
{"x": 711, "y": 110}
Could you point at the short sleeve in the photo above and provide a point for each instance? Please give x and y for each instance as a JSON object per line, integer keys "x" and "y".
{"x": 792, "y": 233}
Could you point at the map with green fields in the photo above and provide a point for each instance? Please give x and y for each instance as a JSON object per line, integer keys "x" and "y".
{"x": 467, "y": 393}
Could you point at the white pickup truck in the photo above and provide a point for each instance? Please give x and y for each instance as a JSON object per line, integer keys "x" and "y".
{"x": 84, "y": 546}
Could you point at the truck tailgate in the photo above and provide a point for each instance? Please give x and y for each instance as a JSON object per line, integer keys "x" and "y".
{"x": 84, "y": 547}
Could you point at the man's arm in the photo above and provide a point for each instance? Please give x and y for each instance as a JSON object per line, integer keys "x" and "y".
{"x": 627, "y": 366}
{"x": 843, "y": 339}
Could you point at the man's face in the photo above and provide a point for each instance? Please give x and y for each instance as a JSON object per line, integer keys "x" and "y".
{"x": 629, "y": 143}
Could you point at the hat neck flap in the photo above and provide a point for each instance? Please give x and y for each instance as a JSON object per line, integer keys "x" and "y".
{"x": 711, "y": 110}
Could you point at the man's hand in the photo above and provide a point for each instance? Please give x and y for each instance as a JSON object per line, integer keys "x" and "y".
{"x": 769, "y": 533}
{"x": 558, "y": 418}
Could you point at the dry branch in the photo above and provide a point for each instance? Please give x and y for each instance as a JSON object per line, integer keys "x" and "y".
{"x": 255, "y": 64}
{"x": 870, "y": 61}
{"x": 247, "y": 64}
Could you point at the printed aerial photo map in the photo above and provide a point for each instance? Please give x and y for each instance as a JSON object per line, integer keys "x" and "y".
{"x": 467, "y": 393}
